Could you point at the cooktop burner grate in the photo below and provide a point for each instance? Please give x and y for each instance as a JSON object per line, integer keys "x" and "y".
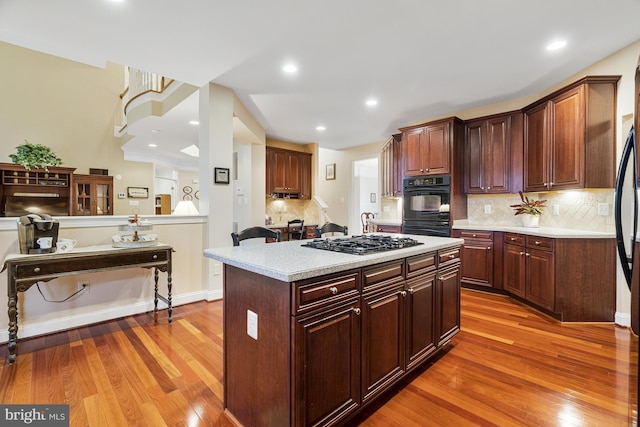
{"x": 362, "y": 245}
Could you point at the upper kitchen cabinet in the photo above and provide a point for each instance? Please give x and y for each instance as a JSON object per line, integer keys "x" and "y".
{"x": 427, "y": 148}
{"x": 288, "y": 173}
{"x": 391, "y": 167}
{"x": 569, "y": 137}
{"x": 493, "y": 154}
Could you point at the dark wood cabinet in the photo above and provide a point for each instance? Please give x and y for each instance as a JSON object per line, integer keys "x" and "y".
{"x": 288, "y": 173}
{"x": 327, "y": 365}
{"x": 477, "y": 258}
{"x": 391, "y": 167}
{"x": 329, "y": 345}
{"x": 92, "y": 195}
{"x": 571, "y": 279}
{"x": 426, "y": 150}
{"x": 386, "y": 228}
{"x": 569, "y": 137}
{"x": 50, "y": 189}
{"x": 493, "y": 154}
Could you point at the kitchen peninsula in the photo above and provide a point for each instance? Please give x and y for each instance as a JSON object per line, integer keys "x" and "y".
{"x": 312, "y": 336}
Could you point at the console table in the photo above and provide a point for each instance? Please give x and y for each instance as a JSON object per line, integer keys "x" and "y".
{"x": 23, "y": 271}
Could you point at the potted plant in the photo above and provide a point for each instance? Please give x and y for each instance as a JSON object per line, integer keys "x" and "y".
{"x": 36, "y": 156}
{"x": 530, "y": 210}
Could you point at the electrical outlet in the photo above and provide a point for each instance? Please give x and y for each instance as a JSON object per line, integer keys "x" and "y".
{"x": 487, "y": 209}
{"x": 252, "y": 324}
{"x": 556, "y": 209}
{"x": 83, "y": 285}
{"x": 603, "y": 209}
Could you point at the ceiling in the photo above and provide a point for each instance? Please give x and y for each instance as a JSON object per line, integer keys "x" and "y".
{"x": 419, "y": 58}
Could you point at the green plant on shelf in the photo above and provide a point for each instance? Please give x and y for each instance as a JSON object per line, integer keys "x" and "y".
{"x": 35, "y": 156}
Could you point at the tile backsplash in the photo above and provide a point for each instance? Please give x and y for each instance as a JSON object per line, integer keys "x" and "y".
{"x": 573, "y": 209}
{"x": 283, "y": 210}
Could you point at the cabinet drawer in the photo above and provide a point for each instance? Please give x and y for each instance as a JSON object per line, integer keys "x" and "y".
{"x": 421, "y": 264}
{"x": 472, "y": 234}
{"x": 380, "y": 275}
{"x": 312, "y": 293}
{"x": 382, "y": 228}
{"x": 514, "y": 239}
{"x": 537, "y": 242}
{"x": 448, "y": 256}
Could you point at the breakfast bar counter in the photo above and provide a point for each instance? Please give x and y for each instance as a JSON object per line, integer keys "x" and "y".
{"x": 311, "y": 337}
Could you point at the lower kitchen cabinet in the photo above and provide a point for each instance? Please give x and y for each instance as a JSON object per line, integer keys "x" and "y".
{"x": 386, "y": 228}
{"x": 326, "y": 347}
{"x": 477, "y": 258}
{"x": 571, "y": 279}
{"x": 327, "y": 365}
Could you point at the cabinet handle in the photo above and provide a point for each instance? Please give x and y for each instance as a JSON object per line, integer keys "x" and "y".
{"x": 333, "y": 290}
{"x": 403, "y": 293}
{"x": 521, "y": 253}
{"x": 538, "y": 242}
{"x": 488, "y": 188}
{"x": 482, "y": 188}
{"x": 441, "y": 278}
{"x": 155, "y": 257}
{"x": 452, "y": 256}
{"x": 36, "y": 270}
{"x": 357, "y": 311}
{"x": 528, "y": 254}
{"x": 488, "y": 248}
{"x": 551, "y": 184}
{"x": 545, "y": 184}
{"x": 513, "y": 239}
{"x": 473, "y": 235}
{"x": 410, "y": 290}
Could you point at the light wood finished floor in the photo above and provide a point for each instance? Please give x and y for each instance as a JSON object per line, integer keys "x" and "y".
{"x": 509, "y": 366}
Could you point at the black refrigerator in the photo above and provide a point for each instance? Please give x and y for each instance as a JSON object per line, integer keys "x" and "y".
{"x": 626, "y": 221}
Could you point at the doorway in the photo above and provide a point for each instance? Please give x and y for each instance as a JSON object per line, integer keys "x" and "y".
{"x": 365, "y": 190}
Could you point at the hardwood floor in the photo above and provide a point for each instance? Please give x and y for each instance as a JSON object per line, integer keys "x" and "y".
{"x": 509, "y": 366}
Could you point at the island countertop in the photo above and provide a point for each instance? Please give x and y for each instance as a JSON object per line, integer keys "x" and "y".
{"x": 291, "y": 261}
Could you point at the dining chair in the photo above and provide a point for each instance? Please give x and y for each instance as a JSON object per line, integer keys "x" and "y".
{"x": 295, "y": 229}
{"x": 255, "y": 232}
{"x": 364, "y": 218}
{"x": 331, "y": 227}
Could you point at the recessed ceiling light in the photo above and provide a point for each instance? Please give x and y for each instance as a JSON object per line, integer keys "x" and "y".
{"x": 191, "y": 150}
{"x": 156, "y": 131}
{"x": 558, "y": 44}
{"x": 320, "y": 128}
{"x": 371, "y": 102}
{"x": 290, "y": 68}
{"x": 153, "y": 145}
{"x": 194, "y": 122}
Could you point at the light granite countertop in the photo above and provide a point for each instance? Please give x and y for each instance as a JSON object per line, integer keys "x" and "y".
{"x": 558, "y": 233}
{"x": 290, "y": 261}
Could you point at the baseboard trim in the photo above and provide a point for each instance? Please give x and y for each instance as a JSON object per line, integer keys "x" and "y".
{"x": 70, "y": 322}
{"x": 623, "y": 319}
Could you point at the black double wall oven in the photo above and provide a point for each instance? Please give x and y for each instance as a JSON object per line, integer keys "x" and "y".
{"x": 426, "y": 205}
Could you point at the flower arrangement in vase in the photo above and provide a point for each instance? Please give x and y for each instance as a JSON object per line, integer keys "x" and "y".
{"x": 529, "y": 209}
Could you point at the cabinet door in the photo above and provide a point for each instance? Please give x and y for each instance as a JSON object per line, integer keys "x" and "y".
{"x": 497, "y": 155}
{"x": 567, "y": 140}
{"x": 514, "y": 270}
{"x": 420, "y": 329}
{"x": 477, "y": 262}
{"x": 536, "y": 175}
{"x": 436, "y": 156}
{"x": 396, "y": 163}
{"x": 293, "y": 173}
{"x": 305, "y": 176}
{"x": 448, "y": 303}
{"x": 473, "y": 158}
{"x": 382, "y": 340}
{"x": 327, "y": 366}
{"x": 412, "y": 152}
{"x": 541, "y": 279}
{"x": 279, "y": 164}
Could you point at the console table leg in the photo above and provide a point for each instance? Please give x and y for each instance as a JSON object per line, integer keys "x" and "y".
{"x": 155, "y": 293}
{"x": 169, "y": 285}
{"x": 13, "y": 326}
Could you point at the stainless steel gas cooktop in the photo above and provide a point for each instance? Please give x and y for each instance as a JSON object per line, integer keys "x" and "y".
{"x": 362, "y": 245}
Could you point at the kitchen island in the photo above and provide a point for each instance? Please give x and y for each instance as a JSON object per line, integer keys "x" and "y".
{"x": 312, "y": 336}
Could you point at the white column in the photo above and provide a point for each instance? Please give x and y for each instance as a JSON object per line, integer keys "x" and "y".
{"x": 216, "y": 200}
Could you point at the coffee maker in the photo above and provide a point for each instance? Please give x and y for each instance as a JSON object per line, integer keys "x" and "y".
{"x": 37, "y": 233}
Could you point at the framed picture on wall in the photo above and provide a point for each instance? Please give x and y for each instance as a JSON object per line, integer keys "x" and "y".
{"x": 330, "y": 172}
{"x": 221, "y": 175}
